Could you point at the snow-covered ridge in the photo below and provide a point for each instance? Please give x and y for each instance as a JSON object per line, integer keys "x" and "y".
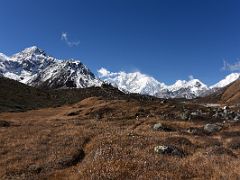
{"x": 34, "y": 67}
{"x": 226, "y": 81}
{"x": 132, "y": 82}
{"x": 137, "y": 82}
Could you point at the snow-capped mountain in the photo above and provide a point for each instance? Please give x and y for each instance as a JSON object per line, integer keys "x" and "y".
{"x": 132, "y": 82}
{"x": 34, "y": 67}
{"x": 226, "y": 81}
{"x": 187, "y": 89}
{"x": 143, "y": 84}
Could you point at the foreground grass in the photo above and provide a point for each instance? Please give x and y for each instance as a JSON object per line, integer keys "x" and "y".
{"x": 71, "y": 142}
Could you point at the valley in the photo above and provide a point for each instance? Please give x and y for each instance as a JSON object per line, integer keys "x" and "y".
{"x": 106, "y": 134}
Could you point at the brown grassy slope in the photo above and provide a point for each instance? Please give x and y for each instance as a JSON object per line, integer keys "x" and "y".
{"x": 15, "y": 96}
{"x": 232, "y": 94}
{"x": 228, "y": 95}
{"x": 100, "y": 138}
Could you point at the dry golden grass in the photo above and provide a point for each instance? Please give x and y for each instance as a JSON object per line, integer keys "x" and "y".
{"x": 71, "y": 142}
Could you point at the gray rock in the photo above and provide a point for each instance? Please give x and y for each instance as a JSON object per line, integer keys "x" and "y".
{"x": 185, "y": 116}
{"x": 218, "y": 115}
{"x": 169, "y": 150}
{"x": 161, "y": 127}
{"x": 212, "y": 128}
{"x": 237, "y": 117}
{"x": 157, "y": 126}
{"x": 195, "y": 131}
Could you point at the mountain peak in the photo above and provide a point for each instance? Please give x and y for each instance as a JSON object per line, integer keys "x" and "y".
{"x": 33, "y": 50}
{"x": 28, "y": 52}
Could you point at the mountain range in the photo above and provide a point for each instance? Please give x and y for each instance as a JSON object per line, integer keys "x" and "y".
{"x": 35, "y": 67}
{"x": 143, "y": 84}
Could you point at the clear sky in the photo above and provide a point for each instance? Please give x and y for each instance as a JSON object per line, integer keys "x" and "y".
{"x": 167, "y": 39}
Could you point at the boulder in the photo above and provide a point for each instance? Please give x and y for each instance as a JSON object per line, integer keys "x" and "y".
{"x": 161, "y": 127}
{"x": 169, "y": 150}
{"x": 212, "y": 128}
{"x": 237, "y": 117}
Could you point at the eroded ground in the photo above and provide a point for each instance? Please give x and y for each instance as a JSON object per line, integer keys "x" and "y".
{"x": 115, "y": 139}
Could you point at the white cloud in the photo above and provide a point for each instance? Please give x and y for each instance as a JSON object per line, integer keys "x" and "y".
{"x": 231, "y": 67}
{"x": 103, "y": 72}
{"x": 191, "y": 77}
{"x": 64, "y": 37}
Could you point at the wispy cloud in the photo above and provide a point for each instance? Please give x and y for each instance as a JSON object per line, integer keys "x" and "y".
{"x": 190, "y": 77}
{"x": 231, "y": 67}
{"x": 64, "y": 37}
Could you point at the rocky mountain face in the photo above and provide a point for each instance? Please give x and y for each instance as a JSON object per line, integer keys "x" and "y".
{"x": 34, "y": 67}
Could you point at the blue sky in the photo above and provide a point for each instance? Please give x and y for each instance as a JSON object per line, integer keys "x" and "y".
{"x": 167, "y": 39}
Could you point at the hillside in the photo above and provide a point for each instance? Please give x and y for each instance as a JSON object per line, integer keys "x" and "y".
{"x": 229, "y": 95}
{"x": 15, "y": 96}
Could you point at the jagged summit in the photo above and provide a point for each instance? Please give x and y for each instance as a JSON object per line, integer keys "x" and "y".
{"x": 33, "y": 50}
{"x": 34, "y": 67}
{"x": 28, "y": 52}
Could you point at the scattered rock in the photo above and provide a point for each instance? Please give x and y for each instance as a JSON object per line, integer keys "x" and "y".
{"x": 35, "y": 168}
{"x": 237, "y": 117}
{"x": 212, "y": 128}
{"x": 131, "y": 134}
{"x": 192, "y": 130}
{"x": 163, "y": 101}
{"x": 137, "y": 118}
{"x": 195, "y": 131}
{"x": 226, "y": 114}
{"x": 4, "y": 123}
{"x": 226, "y": 108}
{"x": 185, "y": 115}
{"x": 161, "y": 127}
{"x": 169, "y": 150}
